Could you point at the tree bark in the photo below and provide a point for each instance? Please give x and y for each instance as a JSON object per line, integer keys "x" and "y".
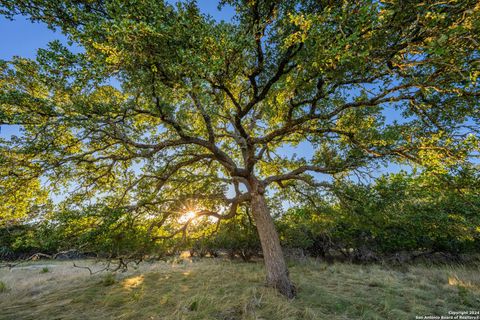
{"x": 277, "y": 272}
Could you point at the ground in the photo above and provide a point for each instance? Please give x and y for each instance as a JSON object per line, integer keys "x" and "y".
{"x": 223, "y": 289}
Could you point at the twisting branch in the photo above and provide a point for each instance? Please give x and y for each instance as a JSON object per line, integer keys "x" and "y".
{"x": 296, "y": 174}
{"x": 234, "y": 203}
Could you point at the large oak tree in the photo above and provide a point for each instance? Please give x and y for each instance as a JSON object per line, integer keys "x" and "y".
{"x": 161, "y": 109}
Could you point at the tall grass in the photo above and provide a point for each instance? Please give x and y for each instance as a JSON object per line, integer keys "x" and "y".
{"x": 222, "y": 289}
{"x": 3, "y": 287}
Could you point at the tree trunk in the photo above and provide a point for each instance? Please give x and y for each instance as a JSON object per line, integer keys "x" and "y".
{"x": 277, "y": 272}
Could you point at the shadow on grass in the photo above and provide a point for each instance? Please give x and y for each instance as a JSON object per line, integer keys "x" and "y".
{"x": 215, "y": 289}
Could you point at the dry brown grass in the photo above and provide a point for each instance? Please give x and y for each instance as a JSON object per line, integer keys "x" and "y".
{"x": 218, "y": 289}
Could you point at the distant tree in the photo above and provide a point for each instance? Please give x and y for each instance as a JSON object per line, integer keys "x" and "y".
{"x": 205, "y": 107}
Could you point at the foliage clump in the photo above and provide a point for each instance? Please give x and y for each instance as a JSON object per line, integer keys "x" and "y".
{"x": 108, "y": 280}
{"x": 3, "y": 287}
{"x": 397, "y": 213}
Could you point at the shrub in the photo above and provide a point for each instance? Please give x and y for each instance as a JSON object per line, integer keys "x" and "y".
{"x": 108, "y": 280}
{"x": 3, "y": 287}
{"x": 398, "y": 212}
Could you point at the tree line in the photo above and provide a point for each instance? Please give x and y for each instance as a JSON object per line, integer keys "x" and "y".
{"x": 401, "y": 216}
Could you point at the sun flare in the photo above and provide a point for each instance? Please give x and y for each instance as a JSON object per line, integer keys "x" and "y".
{"x": 188, "y": 215}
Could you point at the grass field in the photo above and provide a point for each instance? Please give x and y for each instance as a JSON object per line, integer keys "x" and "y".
{"x": 219, "y": 289}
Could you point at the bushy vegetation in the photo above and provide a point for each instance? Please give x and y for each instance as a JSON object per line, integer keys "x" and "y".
{"x": 236, "y": 237}
{"x": 399, "y": 212}
{"x": 412, "y": 214}
{"x": 3, "y": 287}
